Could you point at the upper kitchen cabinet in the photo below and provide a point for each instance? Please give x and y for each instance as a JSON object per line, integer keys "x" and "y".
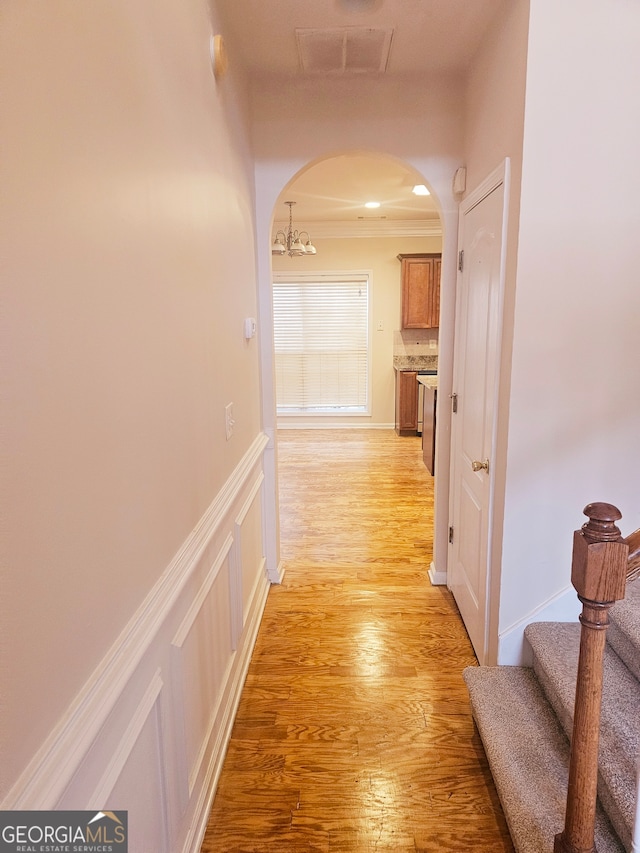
{"x": 420, "y": 278}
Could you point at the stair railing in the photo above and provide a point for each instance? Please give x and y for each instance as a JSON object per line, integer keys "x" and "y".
{"x": 633, "y": 541}
{"x": 633, "y": 572}
{"x": 598, "y": 573}
{"x": 635, "y": 841}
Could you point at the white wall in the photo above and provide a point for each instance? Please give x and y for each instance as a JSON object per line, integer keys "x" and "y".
{"x": 133, "y": 570}
{"x": 321, "y": 118}
{"x": 568, "y": 414}
{"x": 574, "y": 415}
{"x": 378, "y": 255}
{"x": 494, "y": 128}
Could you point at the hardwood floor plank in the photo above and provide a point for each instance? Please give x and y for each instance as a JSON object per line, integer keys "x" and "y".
{"x": 354, "y": 732}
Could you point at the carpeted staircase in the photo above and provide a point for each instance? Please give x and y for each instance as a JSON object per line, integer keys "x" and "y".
{"x": 525, "y": 719}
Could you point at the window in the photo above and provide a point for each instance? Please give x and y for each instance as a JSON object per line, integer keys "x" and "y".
{"x": 321, "y": 336}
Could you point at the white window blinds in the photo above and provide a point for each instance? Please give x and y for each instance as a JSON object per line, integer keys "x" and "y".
{"x": 321, "y": 335}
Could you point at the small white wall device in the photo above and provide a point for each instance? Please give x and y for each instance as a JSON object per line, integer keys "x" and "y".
{"x": 460, "y": 181}
{"x": 249, "y": 327}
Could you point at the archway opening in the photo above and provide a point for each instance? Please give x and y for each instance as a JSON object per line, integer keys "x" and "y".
{"x": 351, "y": 239}
{"x": 333, "y": 208}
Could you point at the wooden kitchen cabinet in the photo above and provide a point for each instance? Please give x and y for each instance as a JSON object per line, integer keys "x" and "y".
{"x": 420, "y": 282}
{"x": 406, "y": 402}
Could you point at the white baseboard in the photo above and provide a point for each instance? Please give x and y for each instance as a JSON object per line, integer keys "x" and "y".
{"x": 330, "y": 424}
{"x": 437, "y": 578}
{"x": 277, "y": 576}
{"x": 562, "y": 607}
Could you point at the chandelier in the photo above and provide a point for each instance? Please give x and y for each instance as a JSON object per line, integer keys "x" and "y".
{"x": 290, "y": 242}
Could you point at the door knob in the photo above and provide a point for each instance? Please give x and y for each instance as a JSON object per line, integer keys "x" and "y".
{"x": 480, "y": 466}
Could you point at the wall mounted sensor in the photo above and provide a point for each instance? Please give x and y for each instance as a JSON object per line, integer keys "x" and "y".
{"x": 460, "y": 181}
{"x": 249, "y": 328}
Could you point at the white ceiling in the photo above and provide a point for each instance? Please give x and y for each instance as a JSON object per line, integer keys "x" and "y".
{"x": 337, "y": 189}
{"x": 428, "y": 37}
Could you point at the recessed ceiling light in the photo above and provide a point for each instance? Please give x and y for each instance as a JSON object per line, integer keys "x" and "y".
{"x": 372, "y": 204}
{"x": 420, "y": 189}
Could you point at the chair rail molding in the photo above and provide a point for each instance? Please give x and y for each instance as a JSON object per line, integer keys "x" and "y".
{"x": 150, "y": 696}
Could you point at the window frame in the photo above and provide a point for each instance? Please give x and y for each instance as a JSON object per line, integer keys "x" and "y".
{"x": 337, "y": 276}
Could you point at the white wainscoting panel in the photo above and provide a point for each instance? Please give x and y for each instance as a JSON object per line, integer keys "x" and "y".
{"x": 222, "y": 732}
{"x": 148, "y": 731}
{"x": 141, "y": 747}
{"x": 201, "y": 657}
{"x": 248, "y": 535}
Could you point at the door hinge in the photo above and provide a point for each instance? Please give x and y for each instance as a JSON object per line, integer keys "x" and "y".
{"x": 451, "y": 535}
{"x": 454, "y": 402}
{"x": 461, "y": 259}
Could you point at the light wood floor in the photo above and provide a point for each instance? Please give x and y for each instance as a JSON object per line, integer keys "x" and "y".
{"x": 354, "y": 731}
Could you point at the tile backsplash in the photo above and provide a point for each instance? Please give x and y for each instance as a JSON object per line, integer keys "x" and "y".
{"x": 415, "y": 342}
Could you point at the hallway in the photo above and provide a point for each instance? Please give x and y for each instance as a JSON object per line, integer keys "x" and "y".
{"x": 354, "y": 730}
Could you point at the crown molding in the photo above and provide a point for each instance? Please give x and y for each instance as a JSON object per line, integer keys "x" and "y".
{"x": 369, "y": 228}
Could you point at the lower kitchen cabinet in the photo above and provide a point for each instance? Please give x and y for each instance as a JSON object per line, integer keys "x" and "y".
{"x": 406, "y": 402}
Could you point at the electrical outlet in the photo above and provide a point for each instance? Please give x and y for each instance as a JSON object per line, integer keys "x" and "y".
{"x": 229, "y": 420}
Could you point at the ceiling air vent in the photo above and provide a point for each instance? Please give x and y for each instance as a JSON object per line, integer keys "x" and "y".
{"x": 350, "y": 50}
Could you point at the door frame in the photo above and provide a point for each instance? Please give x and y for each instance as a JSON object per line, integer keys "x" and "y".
{"x": 500, "y": 175}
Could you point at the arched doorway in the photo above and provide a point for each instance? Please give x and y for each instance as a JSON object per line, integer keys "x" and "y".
{"x": 330, "y": 194}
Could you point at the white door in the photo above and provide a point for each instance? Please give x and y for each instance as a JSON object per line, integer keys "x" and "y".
{"x": 475, "y": 385}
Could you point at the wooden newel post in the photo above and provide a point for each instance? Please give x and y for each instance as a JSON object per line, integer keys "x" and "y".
{"x": 598, "y": 573}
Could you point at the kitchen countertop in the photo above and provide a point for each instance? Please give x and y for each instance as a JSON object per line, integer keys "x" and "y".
{"x": 415, "y": 362}
{"x": 430, "y": 382}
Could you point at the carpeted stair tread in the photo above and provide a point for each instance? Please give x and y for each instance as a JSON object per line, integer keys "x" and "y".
{"x": 555, "y": 649}
{"x": 624, "y": 632}
{"x": 529, "y": 757}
